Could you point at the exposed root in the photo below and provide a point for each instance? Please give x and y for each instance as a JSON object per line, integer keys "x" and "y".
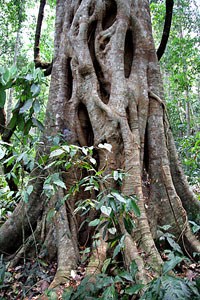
{"x": 66, "y": 252}
{"x": 97, "y": 259}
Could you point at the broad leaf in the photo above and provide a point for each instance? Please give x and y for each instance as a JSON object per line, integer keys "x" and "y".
{"x": 27, "y": 105}
{"x": 117, "y": 250}
{"x": 60, "y": 183}
{"x": 118, "y": 197}
{"x": 106, "y": 264}
{"x": 106, "y": 210}
{"x": 115, "y": 175}
{"x": 38, "y": 124}
{"x": 112, "y": 230}
{"x": 56, "y": 152}
{"x": 134, "y": 289}
{"x": 170, "y": 265}
{"x": 94, "y": 222}
{"x": 29, "y": 189}
{"x": 35, "y": 89}
{"x": 2, "y": 153}
{"x": 105, "y": 146}
{"x": 36, "y": 106}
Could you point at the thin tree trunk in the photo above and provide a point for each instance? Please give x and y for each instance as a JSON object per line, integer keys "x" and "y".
{"x": 10, "y": 97}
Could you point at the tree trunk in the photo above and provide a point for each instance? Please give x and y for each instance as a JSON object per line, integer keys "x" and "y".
{"x": 106, "y": 87}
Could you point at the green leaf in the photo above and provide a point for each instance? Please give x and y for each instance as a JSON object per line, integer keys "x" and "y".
{"x": 2, "y": 98}
{"x": 115, "y": 175}
{"x": 13, "y": 71}
{"x": 129, "y": 224}
{"x": 9, "y": 160}
{"x": 29, "y": 189}
{"x": 6, "y": 76}
{"x": 29, "y": 77}
{"x": 25, "y": 196}
{"x": 126, "y": 275}
{"x": 94, "y": 222}
{"x": 133, "y": 268}
{"x": 112, "y": 230}
{"x": 106, "y": 146}
{"x": 93, "y": 161}
{"x": 106, "y": 210}
{"x": 13, "y": 121}
{"x": 66, "y": 148}
{"x": 60, "y": 183}
{"x": 51, "y": 213}
{"x": 21, "y": 122}
{"x": 84, "y": 150}
{"x": 56, "y": 152}
{"x": 109, "y": 293}
{"x": 27, "y": 126}
{"x": 134, "y": 289}
{"x": 35, "y": 89}
{"x": 27, "y": 105}
{"x": 67, "y": 294}
{"x": 174, "y": 245}
{"x": 133, "y": 206}
{"x": 36, "y": 106}
{"x": 175, "y": 288}
{"x": 195, "y": 227}
{"x": 117, "y": 250}
{"x": 2, "y": 153}
{"x": 38, "y": 124}
{"x": 170, "y": 265}
{"x": 106, "y": 264}
{"x": 118, "y": 197}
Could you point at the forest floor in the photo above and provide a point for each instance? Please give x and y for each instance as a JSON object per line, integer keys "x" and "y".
{"x": 31, "y": 278}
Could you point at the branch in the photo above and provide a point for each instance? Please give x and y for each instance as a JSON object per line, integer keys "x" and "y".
{"x": 166, "y": 31}
{"x": 37, "y": 59}
{"x": 2, "y": 120}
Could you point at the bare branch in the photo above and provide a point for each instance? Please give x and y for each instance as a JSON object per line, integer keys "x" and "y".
{"x": 37, "y": 59}
{"x": 166, "y": 31}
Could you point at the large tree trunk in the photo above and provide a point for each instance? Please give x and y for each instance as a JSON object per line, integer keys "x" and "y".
{"x": 106, "y": 87}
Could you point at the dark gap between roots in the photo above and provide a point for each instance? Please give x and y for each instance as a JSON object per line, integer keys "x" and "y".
{"x": 85, "y": 124}
{"x": 91, "y": 9}
{"x": 128, "y": 117}
{"x": 110, "y": 14}
{"x": 69, "y": 79}
{"x": 129, "y": 50}
{"x": 146, "y": 150}
{"x": 104, "y": 86}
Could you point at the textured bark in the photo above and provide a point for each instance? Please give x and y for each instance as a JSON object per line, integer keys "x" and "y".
{"x": 106, "y": 87}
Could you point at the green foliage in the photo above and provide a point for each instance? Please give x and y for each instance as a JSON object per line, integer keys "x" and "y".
{"x": 27, "y": 83}
{"x": 168, "y": 287}
{"x": 180, "y": 68}
{"x": 104, "y": 287}
{"x": 109, "y": 203}
{"x": 189, "y": 149}
{"x": 123, "y": 285}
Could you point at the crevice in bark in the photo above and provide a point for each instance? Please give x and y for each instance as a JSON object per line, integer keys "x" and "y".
{"x": 69, "y": 79}
{"x": 104, "y": 86}
{"x": 85, "y": 124}
{"x": 128, "y": 117}
{"x": 109, "y": 14}
{"x": 146, "y": 151}
{"x": 129, "y": 49}
{"x": 91, "y": 8}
